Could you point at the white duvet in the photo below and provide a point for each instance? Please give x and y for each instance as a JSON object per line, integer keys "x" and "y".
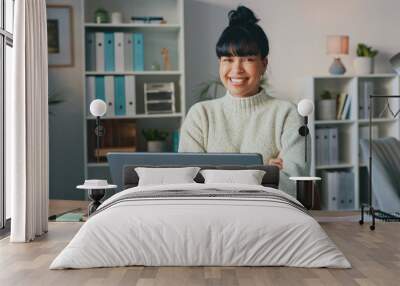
{"x": 200, "y": 231}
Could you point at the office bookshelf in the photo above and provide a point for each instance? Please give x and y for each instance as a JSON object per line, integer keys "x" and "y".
{"x": 155, "y": 37}
{"x": 349, "y": 129}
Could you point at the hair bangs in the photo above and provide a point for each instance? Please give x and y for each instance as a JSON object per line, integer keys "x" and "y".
{"x": 237, "y": 42}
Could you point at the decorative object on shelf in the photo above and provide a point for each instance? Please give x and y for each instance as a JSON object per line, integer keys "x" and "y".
{"x": 159, "y": 98}
{"x": 148, "y": 20}
{"x": 306, "y": 191}
{"x": 156, "y": 140}
{"x": 326, "y": 106}
{"x": 364, "y": 62}
{"x": 166, "y": 59}
{"x": 98, "y": 108}
{"x": 305, "y": 107}
{"x": 97, "y": 190}
{"x": 337, "y": 45}
{"x": 59, "y": 36}
{"x": 395, "y": 62}
{"x": 155, "y": 66}
{"x": 101, "y": 16}
{"x": 116, "y": 17}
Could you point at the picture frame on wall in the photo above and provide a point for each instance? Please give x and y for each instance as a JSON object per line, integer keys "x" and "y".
{"x": 60, "y": 36}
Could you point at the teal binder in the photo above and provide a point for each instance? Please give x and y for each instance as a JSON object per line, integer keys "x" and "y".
{"x": 138, "y": 52}
{"x": 119, "y": 93}
{"x": 100, "y": 88}
{"x": 90, "y": 51}
{"x": 109, "y": 52}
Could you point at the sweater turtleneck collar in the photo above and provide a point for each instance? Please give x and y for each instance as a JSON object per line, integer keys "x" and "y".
{"x": 245, "y": 104}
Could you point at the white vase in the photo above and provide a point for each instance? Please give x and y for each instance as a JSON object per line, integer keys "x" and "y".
{"x": 326, "y": 109}
{"x": 363, "y": 65}
{"x": 155, "y": 146}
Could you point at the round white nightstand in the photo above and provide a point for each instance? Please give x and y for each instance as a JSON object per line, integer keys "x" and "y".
{"x": 96, "y": 190}
{"x": 305, "y": 190}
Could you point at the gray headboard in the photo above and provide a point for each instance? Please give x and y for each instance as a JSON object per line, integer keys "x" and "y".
{"x": 270, "y": 179}
{"x": 117, "y": 161}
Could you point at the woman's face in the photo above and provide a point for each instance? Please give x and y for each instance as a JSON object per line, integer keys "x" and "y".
{"x": 241, "y": 76}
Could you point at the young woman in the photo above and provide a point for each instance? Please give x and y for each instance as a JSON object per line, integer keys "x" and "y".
{"x": 246, "y": 119}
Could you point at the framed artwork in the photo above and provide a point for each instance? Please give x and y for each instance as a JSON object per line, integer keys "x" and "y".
{"x": 60, "y": 36}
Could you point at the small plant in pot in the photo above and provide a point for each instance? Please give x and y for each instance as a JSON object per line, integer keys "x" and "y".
{"x": 156, "y": 139}
{"x": 364, "y": 62}
{"x": 326, "y": 106}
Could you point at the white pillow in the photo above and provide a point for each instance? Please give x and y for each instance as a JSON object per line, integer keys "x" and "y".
{"x": 248, "y": 177}
{"x": 165, "y": 176}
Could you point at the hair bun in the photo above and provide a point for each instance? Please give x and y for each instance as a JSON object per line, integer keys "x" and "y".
{"x": 242, "y": 16}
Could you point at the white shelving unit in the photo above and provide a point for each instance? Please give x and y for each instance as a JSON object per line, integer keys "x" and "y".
{"x": 156, "y": 36}
{"x": 349, "y": 159}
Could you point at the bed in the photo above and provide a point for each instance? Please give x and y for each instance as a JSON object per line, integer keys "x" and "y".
{"x": 201, "y": 224}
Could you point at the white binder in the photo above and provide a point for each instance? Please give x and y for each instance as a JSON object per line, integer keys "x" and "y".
{"x": 119, "y": 51}
{"x": 99, "y": 51}
{"x": 130, "y": 95}
{"x": 333, "y": 146}
{"x": 90, "y": 92}
{"x": 128, "y": 51}
{"x": 109, "y": 92}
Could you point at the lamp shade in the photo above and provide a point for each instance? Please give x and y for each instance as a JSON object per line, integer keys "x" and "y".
{"x": 337, "y": 45}
{"x": 305, "y": 107}
{"x": 98, "y": 107}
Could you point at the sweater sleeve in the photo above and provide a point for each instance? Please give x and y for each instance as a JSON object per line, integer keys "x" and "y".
{"x": 193, "y": 132}
{"x": 292, "y": 152}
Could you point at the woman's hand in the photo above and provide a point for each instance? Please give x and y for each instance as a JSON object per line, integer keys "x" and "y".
{"x": 276, "y": 162}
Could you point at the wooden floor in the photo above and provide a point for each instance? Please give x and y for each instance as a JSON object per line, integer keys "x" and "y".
{"x": 375, "y": 257}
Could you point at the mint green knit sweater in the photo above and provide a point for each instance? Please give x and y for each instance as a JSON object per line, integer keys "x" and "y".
{"x": 257, "y": 124}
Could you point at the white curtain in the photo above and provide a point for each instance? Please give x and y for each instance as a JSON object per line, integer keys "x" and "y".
{"x": 27, "y": 123}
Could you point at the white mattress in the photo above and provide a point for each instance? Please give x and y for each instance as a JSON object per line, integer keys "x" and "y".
{"x": 200, "y": 231}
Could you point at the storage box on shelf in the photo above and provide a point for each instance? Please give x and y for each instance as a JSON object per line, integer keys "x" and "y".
{"x": 337, "y": 161}
{"x": 121, "y": 59}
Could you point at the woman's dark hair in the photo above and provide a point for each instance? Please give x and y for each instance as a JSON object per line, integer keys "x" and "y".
{"x": 243, "y": 36}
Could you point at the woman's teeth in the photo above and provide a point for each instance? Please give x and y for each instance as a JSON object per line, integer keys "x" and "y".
{"x": 237, "y": 80}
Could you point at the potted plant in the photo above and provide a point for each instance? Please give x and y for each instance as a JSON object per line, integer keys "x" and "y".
{"x": 326, "y": 106}
{"x": 363, "y": 63}
{"x": 155, "y": 139}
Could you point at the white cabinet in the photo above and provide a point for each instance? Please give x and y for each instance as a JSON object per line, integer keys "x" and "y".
{"x": 350, "y": 131}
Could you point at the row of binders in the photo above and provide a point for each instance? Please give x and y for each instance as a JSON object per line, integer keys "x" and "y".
{"x": 114, "y": 51}
{"x": 343, "y": 106}
{"x": 337, "y": 190}
{"x": 117, "y": 91}
{"x": 327, "y": 146}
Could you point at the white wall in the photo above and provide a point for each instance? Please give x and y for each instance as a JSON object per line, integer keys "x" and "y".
{"x": 297, "y": 32}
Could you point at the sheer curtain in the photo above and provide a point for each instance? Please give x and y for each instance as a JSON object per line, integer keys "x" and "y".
{"x": 27, "y": 124}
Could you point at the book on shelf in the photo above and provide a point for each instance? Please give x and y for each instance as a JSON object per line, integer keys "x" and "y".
{"x": 148, "y": 20}
{"x": 346, "y": 108}
{"x": 340, "y": 104}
